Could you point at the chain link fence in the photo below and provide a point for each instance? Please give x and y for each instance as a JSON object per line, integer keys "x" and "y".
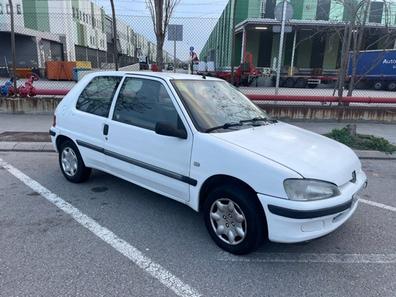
{"x": 60, "y": 48}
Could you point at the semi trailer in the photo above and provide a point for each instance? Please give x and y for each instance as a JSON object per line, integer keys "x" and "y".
{"x": 374, "y": 68}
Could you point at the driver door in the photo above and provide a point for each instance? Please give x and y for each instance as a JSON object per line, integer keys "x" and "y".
{"x": 133, "y": 149}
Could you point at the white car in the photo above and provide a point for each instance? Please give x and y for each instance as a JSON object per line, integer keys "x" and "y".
{"x": 201, "y": 142}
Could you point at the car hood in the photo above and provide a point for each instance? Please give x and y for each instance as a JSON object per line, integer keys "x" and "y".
{"x": 309, "y": 154}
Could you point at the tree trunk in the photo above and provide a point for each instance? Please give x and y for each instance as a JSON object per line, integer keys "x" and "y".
{"x": 344, "y": 58}
{"x": 159, "y": 14}
{"x": 114, "y": 35}
{"x": 356, "y": 48}
{"x": 160, "y": 58}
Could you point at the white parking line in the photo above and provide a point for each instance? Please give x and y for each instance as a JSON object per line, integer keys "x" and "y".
{"x": 376, "y": 204}
{"x": 311, "y": 258}
{"x": 132, "y": 253}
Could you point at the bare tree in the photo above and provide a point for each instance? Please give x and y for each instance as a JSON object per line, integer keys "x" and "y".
{"x": 353, "y": 36}
{"x": 161, "y": 12}
{"x": 114, "y": 35}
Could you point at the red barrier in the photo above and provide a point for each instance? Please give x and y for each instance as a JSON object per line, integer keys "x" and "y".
{"x": 367, "y": 100}
{"x": 48, "y": 92}
{"x": 279, "y": 98}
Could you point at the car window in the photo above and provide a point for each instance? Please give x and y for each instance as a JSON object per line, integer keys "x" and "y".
{"x": 213, "y": 103}
{"x": 98, "y": 94}
{"x": 143, "y": 103}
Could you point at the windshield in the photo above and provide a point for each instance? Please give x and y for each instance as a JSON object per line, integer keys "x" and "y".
{"x": 214, "y": 103}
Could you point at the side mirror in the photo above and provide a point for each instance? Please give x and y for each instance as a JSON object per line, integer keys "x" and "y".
{"x": 162, "y": 128}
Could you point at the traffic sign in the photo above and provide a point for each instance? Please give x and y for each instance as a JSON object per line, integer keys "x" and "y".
{"x": 175, "y": 32}
{"x": 279, "y": 11}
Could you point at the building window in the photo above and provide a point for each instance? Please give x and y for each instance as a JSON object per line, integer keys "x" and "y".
{"x": 8, "y": 9}
{"x": 376, "y": 10}
{"x": 323, "y": 10}
{"x": 19, "y": 10}
{"x": 1, "y": 8}
{"x": 262, "y": 8}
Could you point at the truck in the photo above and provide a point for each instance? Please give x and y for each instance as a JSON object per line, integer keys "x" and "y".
{"x": 305, "y": 77}
{"x": 375, "y": 68}
{"x": 244, "y": 75}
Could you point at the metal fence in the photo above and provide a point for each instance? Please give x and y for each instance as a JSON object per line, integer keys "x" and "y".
{"x": 309, "y": 67}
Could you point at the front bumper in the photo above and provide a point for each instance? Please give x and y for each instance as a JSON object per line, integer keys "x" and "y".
{"x": 295, "y": 221}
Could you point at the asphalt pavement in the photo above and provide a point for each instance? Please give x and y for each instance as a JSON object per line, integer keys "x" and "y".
{"x": 108, "y": 237}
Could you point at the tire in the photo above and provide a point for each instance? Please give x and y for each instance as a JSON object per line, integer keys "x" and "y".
{"x": 378, "y": 85}
{"x": 246, "y": 221}
{"x": 391, "y": 86}
{"x": 290, "y": 82}
{"x": 71, "y": 163}
{"x": 300, "y": 82}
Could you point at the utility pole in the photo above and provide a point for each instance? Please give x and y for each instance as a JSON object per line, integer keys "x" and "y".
{"x": 114, "y": 35}
{"x": 233, "y": 42}
{"x": 13, "y": 53}
{"x": 282, "y": 34}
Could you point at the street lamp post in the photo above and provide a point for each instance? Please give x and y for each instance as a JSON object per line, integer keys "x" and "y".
{"x": 282, "y": 33}
{"x": 233, "y": 42}
{"x": 13, "y": 53}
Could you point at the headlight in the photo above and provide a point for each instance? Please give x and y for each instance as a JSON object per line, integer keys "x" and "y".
{"x": 309, "y": 189}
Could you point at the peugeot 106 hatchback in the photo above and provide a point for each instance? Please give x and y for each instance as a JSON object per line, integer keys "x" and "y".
{"x": 201, "y": 142}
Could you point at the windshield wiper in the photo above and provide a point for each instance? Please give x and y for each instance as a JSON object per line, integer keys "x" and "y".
{"x": 258, "y": 119}
{"x": 224, "y": 126}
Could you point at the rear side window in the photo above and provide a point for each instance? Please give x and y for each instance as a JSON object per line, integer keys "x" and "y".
{"x": 143, "y": 103}
{"x": 98, "y": 94}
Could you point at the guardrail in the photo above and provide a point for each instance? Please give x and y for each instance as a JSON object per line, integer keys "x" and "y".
{"x": 322, "y": 99}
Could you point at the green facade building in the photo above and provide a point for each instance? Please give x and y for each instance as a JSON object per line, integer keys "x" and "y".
{"x": 316, "y": 33}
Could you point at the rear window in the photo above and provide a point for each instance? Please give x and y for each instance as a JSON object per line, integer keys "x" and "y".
{"x": 98, "y": 94}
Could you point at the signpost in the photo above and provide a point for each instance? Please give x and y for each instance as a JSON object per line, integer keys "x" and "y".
{"x": 175, "y": 33}
{"x": 283, "y": 12}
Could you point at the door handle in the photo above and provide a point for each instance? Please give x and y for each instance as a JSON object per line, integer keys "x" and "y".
{"x": 105, "y": 129}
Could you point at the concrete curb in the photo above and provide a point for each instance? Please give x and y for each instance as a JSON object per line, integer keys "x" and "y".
{"x": 47, "y": 147}
{"x": 26, "y": 147}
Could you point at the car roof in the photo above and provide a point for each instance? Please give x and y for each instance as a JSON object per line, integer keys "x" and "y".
{"x": 163, "y": 75}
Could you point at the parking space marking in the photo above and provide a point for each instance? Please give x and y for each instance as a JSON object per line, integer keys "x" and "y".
{"x": 377, "y": 204}
{"x": 145, "y": 263}
{"x": 310, "y": 258}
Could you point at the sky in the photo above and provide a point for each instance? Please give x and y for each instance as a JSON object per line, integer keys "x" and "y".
{"x": 197, "y": 17}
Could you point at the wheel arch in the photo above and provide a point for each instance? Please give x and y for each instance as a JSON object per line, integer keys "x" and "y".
{"x": 221, "y": 179}
{"x": 61, "y": 139}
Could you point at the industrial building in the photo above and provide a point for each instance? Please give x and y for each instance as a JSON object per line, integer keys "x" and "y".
{"x": 67, "y": 30}
{"x": 314, "y": 41}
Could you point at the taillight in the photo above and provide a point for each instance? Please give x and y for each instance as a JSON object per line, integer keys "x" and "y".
{"x": 54, "y": 121}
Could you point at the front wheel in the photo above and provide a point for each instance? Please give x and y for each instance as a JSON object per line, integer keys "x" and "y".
{"x": 234, "y": 219}
{"x": 71, "y": 163}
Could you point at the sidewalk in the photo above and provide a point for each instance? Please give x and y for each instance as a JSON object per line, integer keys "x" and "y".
{"x": 42, "y": 123}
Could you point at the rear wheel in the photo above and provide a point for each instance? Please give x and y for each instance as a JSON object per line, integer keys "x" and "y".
{"x": 71, "y": 163}
{"x": 391, "y": 86}
{"x": 378, "y": 85}
{"x": 234, "y": 219}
